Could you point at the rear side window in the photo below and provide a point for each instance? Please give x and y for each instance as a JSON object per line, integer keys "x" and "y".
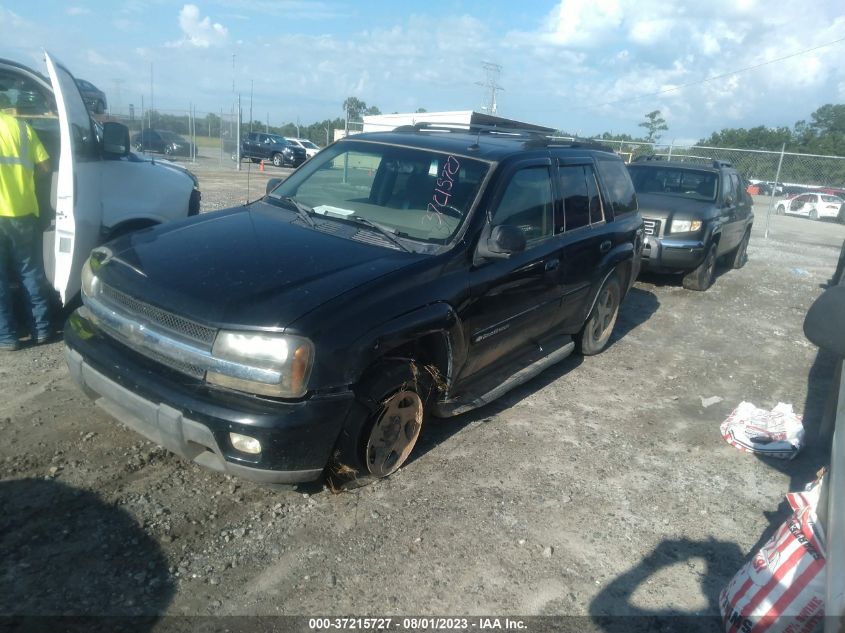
{"x": 580, "y": 195}
{"x": 619, "y": 190}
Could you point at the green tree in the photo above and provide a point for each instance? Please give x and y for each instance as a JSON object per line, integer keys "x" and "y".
{"x": 654, "y": 123}
{"x": 354, "y": 108}
{"x": 372, "y": 110}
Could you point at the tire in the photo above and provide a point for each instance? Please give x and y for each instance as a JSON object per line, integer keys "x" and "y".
{"x": 702, "y": 277}
{"x": 383, "y": 426}
{"x": 781, "y": 210}
{"x": 139, "y": 147}
{"x": 740, "y": 257}
{"x": 594, "y": 336}
{"x": 278, "y": 160}
{"x": 814, "y": 215}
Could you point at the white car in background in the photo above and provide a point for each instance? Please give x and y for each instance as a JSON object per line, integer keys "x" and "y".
{"x": 815, "y": 206}
{"x": 310, "y": 147}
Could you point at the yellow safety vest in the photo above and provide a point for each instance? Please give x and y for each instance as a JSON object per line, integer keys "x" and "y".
{"x": 20, "y": 151}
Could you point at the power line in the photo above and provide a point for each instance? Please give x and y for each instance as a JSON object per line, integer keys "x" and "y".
{"x": 720, "y": 76}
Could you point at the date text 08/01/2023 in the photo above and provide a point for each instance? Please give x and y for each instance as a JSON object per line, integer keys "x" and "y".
{"x": 415, "y": 623}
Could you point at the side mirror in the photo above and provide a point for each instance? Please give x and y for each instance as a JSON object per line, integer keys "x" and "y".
{"x": 729, "y": 200}
{"x": 272, "y": 183}
{"x": 504, "y": 241}
{"x": 115, "y": 139}
{"x": 823, "y": 323}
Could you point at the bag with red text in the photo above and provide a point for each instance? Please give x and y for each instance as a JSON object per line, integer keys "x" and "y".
{"x": 781, "y": 589}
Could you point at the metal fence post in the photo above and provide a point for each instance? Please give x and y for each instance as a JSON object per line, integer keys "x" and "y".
{"x": 238, "y": 138}
{"x": 774, "y": 188}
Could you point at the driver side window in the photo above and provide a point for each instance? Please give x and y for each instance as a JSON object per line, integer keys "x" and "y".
{"x": 528, "y": 204}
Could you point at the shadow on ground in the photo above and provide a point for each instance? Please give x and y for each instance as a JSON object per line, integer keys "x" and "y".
{"x": 614, "y": 609}
{"x": 65, "y": 552}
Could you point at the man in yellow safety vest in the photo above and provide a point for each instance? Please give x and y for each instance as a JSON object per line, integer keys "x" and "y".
{"x": 21, "y": 156}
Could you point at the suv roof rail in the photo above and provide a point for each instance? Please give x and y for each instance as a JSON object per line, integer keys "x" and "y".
{"x": 533, "y": 137}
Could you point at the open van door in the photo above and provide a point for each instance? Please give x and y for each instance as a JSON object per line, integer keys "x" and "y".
{"x": 78, "y": 212}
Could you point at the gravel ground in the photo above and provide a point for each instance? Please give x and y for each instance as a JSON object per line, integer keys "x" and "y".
{"x": 600, "y": 487}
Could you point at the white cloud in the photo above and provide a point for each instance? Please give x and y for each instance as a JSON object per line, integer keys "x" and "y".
{"x": 200, "y": 33}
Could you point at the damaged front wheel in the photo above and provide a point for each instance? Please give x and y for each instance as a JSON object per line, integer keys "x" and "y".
{"x": 384, "y": 424}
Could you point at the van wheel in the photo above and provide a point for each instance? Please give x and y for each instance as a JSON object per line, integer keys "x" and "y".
{"x": 595, "y": 334}
{"x": 383, "y": 426}
{"x": 702, "y": 277}
{"x": 740, "y": 257}
{"x": 278, "y": 160}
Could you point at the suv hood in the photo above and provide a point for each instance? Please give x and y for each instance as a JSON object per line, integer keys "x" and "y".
{"x": 664, "y": 207}
{"x": 244, "y": 267}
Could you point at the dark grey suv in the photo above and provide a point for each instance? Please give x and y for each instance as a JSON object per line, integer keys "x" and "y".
{"x": 694, "y": 214}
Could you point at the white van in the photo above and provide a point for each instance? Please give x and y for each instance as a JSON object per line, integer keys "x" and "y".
{"x": 99, "y": 189}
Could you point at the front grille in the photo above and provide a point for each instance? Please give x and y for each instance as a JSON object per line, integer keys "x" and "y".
{"x": 168, "y": 321}
{"x": 180, "y": 366}
{"x": 652, "y": 227}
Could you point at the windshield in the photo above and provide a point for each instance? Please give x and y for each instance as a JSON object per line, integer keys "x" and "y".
{"x": 280, "y": 140}
{"x": 169, "y": 136}
{"x": 419, "y": 194}
{"x": 686, "y": 183}
{"x": 308, "y": 144}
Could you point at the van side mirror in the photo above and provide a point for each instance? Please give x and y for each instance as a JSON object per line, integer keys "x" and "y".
{"x": 272, "y": 183}
{"x": 504, "y": 241}
{"x": 115, "y": 139}
{"x": 823, "y": 323}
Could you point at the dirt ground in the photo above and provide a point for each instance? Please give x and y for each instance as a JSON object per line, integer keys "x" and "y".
{"x": 603, "y": 486}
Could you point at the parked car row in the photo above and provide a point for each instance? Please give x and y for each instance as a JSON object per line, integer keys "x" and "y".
{"x": 163, "y": 142}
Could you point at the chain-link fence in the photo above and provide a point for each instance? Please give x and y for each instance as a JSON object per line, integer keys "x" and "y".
{"x": 788, "y": 172}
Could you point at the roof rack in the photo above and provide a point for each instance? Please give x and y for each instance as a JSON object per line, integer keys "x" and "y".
{"x": 533, "y": 138}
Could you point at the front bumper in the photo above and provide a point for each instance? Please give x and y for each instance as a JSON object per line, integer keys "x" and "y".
{"x": 671, "y": 255}
{"x": 194, "y": 421}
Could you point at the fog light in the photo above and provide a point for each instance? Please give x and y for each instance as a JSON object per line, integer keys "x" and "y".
{"x": 245, "y": 443}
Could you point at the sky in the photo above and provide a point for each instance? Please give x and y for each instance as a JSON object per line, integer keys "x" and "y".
{"x": 583, "y": 66}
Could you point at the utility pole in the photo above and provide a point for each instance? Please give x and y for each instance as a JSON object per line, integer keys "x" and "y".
{"x": 491, "y": 72}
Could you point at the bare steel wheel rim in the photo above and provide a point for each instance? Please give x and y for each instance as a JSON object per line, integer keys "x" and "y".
{"x": 395, "y": 433}
{"x": 605, "y": 315}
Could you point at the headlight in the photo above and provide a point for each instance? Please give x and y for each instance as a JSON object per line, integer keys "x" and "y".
{"x": 684, "y": 226}
{"x": 290, "y": 357}
{"x": 90, "y": 281}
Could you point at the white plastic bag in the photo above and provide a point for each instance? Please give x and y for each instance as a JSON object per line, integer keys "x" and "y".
{"x": 775, "y": 433}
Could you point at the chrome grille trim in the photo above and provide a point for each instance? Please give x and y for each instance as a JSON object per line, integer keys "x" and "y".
{"x": 652, "y": 227}
{"x": 179, "y": 354}
{"x": 155, "y": 316}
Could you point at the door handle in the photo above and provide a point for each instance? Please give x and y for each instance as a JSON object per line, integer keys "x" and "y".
{"x": 605, "y": 246}
{"x": 552, "y": 264}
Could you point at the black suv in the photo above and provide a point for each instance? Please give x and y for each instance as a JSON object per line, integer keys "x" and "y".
{"x": 259, "y": 146}
{"x": 693, "y": 214}
{"x": 169, "y": 143}
{"x": 395, "y": 275}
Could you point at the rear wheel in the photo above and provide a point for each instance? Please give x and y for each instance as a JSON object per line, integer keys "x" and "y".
{"x": 814, "y": 215}
{"x": 596, "y": 332}
{"x": 702, "y": 277}
{"x": 383, "y": 425}
{"x": 278, "y": 160}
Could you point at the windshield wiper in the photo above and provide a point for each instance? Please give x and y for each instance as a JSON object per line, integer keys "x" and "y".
{"x": 360, "y": 219}
{"x": 305, "y": 212}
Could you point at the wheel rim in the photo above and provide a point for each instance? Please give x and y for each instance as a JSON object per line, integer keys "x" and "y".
{"x": 277, "y": 160}
{"x": 395, "y": 433}
{"x": 605, "y": 315}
